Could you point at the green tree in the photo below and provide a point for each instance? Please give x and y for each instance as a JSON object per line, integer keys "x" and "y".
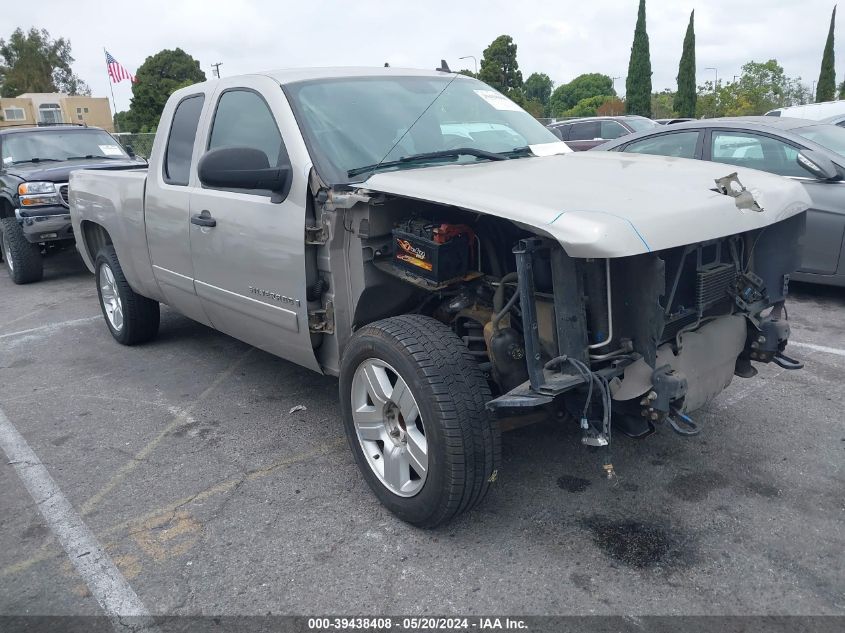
{"x": 582, "y": 87}
{"x": 638, "y": 81}
{"x": 684, "y": 103}
{"x": 662, "y": 105}
{"x": 499, "y": 67}
{"x": 588, "y": 106}
{"x": 842, "y": 90}
{"x": 826, "y": 87}
{"x": 534, "y": 108}
{"x": 157, "y": 78}
{"x": 538, "y": 87}
{"x": 467, "y": 72}
{"x": 614, "y": 106}
{"x": 761, "y": 87}
{"x": 33, "y": 62}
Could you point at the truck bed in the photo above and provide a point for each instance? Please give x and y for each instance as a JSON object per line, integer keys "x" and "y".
{"x": 114, "y": 200}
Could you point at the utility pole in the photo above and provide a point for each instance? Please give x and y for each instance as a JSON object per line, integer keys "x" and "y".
{"x": 216, "y": 70}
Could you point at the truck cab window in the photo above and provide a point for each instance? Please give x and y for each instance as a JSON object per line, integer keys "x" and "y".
{"x": 180, "y": 143}
{"x": 243, "y": 119}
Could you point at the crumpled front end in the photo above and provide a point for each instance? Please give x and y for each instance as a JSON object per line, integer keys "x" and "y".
{"x": 662, "y": 333}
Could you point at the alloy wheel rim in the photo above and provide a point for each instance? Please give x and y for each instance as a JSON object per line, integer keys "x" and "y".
{"x": 389, "y": 427}
{"x": 112, "y": 305}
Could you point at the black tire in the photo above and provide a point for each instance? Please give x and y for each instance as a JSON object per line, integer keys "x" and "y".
{"x": 140, "y": 315}
{"x": 464, "y": 445}
{"x": 23, "y": 259}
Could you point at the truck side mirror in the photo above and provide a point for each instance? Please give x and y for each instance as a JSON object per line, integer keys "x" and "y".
{"x": 242, "y": 168}
{"x": 130, "y": 151}
{"x": 818, "y": 164}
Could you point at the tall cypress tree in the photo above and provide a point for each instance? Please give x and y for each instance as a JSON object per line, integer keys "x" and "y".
{"x": 685, "y": 97}
{"x": 826, "y": 88}
{"x": 638, "y": 82}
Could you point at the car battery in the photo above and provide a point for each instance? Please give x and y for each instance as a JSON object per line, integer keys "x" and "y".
{"x": 435, "y": 252}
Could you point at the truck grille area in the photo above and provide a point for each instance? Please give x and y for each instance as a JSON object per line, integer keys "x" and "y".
{"x": 63, "y": 193}
{"x": 713, "y": 281}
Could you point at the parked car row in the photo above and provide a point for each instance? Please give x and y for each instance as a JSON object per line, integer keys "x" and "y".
{"x": 449, "y": 259}
{"x": 585, "y": 133}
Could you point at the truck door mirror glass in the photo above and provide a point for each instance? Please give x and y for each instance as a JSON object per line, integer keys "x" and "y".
{"x": 129, "y": 150}
{"x": 242, "y": 168}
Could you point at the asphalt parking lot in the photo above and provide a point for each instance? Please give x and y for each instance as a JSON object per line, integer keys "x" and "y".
{"x": 184, "y": 459}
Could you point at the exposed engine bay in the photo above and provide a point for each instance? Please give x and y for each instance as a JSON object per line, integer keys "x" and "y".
{"x": 630, "y": 341}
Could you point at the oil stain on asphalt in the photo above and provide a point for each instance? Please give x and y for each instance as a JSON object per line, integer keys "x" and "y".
{"x": 573, "y": 484}
{"x": 641, "y": 545}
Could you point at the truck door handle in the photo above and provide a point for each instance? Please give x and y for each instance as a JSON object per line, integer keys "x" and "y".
{"x": 203, "y": 219}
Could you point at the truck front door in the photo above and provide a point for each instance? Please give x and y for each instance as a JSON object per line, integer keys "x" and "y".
{"x": 250, "y": 266}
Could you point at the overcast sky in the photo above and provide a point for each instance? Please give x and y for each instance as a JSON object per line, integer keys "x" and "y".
{"x": 560, "y": 38}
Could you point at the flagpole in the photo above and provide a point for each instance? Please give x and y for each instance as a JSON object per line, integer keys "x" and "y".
{"x": 111, "y": 89}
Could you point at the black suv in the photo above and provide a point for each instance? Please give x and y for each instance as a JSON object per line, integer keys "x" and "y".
{"x": 35, "y": 165}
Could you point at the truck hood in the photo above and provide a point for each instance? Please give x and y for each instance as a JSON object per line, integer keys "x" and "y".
{"x": 60, "y": 172}
{"x": 604, "y": 204}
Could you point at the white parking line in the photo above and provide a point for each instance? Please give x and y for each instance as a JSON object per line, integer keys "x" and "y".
{"x": 107, "y": 584}
{"x": 51, "y": 327}
{"x": 818, "y": 348}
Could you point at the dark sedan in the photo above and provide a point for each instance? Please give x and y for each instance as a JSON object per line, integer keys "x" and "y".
{"x": 771, "y": 144}
{"x": 586, "y": 133}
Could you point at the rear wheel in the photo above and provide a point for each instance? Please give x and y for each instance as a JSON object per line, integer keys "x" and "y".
{"x": 23, "y": 260}
{"x": 413, "y": 403}
{"x": 131, "y": 318}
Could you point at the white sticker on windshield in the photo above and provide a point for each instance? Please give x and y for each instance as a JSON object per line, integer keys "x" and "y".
{"x": 497, "y": 100}
{"x": 111, "y": 150}
{"x": 8, "y": 160}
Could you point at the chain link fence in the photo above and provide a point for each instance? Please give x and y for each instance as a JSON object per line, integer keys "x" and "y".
{"x": 141, "y": 143}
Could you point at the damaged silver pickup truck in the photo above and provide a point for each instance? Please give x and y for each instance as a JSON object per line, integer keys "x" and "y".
{"x": 424, "y": 239}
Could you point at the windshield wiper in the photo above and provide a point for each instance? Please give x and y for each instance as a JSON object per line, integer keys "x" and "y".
{"x": 519, "y": 152}
{"x": 36, "y": 160}
{"x": 425, "y": 156}
{"x": 95, "y": 156}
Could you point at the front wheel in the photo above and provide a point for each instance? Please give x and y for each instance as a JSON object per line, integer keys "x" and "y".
{"x": 413, "y": 404}
{"x": 23, "y": 260}
{"x": 131, "y": 318}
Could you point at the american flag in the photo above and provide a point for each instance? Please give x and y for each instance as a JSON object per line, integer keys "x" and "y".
{"x": 116, "y": 70}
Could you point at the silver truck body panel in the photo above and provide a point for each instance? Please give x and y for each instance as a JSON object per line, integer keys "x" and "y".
{"x": 603, "y": 204}
{"x": 115, "y": 200}
{"x": 212, "y": 276}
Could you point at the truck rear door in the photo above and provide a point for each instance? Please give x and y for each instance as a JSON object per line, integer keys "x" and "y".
{"x": 250, "y": 266}
{"x": 167, "y": 205}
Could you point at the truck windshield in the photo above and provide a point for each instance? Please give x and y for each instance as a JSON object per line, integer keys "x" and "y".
{"x": 59, "y": 144}
{"x": 351, "y": 123}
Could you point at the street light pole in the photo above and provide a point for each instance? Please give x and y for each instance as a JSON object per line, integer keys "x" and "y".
{"x": 475, "y": 61}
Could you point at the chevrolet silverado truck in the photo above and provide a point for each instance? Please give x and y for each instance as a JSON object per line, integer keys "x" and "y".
{"x": 35, "y": 164}
{"x": 424, "y": 239}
